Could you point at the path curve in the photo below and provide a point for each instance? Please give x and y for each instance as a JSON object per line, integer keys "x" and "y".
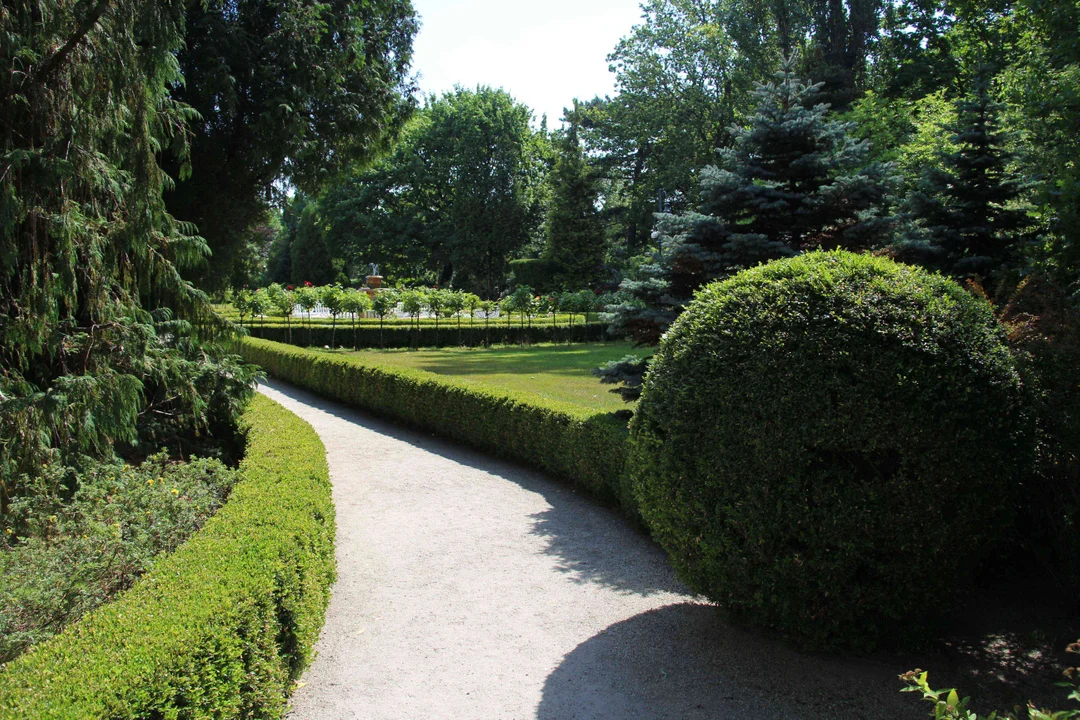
{"x": 474, "y": 589}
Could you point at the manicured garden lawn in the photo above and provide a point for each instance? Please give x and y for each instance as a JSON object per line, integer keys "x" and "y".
{"x": 558, "y": 372}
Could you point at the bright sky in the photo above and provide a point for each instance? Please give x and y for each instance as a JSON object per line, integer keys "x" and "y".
{"x": 543, "y": 53}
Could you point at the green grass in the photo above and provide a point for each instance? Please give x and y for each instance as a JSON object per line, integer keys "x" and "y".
{"x": 556, "y": 372}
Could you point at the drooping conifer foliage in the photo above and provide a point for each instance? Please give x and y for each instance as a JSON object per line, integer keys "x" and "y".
{"x": 96, "y": 340}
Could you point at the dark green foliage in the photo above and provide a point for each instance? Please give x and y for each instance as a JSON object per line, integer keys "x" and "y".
{"x": 62, "y": 558}
{"x": 575, "y": 235}
{"x": 1044, "y": 330}
{"x": 279, "y": 259}
{"x": 454, "y": 201}
{"x": 537, "y": 273}
{"x": 296, "y": 90}
{"x": 969, "y": 222}
{"x": 310, "y": 261}
{"x": 220, "y": 628}
{"x": 793, "y": 181}
{"x": 585, "y": 447}
{"x": 89, "y": 356}
{"x": 826, "y": 445}
{"x": 369, "y": 335}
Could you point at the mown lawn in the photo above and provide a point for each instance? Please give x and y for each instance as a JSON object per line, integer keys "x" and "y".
{"x": 558, "y": 372}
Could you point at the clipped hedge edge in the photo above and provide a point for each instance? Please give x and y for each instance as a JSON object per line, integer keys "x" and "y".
{"x": 223, "y": 626}
{"x": 587, "y": 448}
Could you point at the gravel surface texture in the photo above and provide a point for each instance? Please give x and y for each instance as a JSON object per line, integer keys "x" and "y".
{"x": 471, "y": 588}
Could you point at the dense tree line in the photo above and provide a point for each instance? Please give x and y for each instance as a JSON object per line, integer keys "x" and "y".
{"x": 580, "y": 200}
{"x": 119, "y": 119}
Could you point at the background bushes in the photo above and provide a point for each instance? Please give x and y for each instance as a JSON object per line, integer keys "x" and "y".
{"x": 825, "y": 445}
{"x": 221, "y": 627}
{"x": 537, "y": 273}
{"x": 585, "y": 447}
{"x": 447, "y": 334}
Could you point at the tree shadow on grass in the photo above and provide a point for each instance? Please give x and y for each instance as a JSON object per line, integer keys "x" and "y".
{"x": 570, "y": 360}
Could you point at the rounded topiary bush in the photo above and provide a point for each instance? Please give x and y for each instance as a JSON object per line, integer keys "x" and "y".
{"x": 825, "y": 445}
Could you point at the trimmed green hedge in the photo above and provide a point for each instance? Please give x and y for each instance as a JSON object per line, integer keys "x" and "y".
{"x": 222, "y": 627}
{"x": 585, "y": 447}
{"x": 397, "y": 336}
{"x": 826, "y": 445}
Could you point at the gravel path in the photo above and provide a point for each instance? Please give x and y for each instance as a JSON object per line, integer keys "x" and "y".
{"x": 471, "y": 588}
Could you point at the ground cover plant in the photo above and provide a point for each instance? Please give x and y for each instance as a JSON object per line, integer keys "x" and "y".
{"x": 556, "y": 372}
{"x": 829, "y": 445}
{"x": 65, "y": 557}
{"x": 223, "y": 626}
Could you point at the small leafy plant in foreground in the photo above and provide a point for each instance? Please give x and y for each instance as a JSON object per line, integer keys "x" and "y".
{"x": 949, "y": 706}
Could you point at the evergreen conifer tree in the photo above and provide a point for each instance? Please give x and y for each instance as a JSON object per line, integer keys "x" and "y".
{"x": 968, "y": 221}
{"x": 794, "y": 180}
{"x": 311, "y": 261}
{"x": 101, "y": 340}
{"x": 575, "y": 233}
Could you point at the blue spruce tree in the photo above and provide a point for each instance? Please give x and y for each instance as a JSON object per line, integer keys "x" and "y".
{"x": 794, "y": 180}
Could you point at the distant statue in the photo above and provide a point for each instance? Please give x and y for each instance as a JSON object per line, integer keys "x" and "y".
{"x": 374, "y": 269}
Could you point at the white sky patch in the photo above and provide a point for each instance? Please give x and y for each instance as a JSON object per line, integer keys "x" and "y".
{"x": 543, "y": 53}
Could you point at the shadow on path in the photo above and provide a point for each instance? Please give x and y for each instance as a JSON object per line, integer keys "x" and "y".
{"x": 589, "y": 542}
{"x": 683, "y": 662}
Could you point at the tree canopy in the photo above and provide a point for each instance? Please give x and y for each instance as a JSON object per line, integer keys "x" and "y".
{"x": 96, "y": 344}
{"x": 453, "y": 202}
{"x": 286, "y": 92}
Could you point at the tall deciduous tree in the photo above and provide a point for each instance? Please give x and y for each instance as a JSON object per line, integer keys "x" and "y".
{"x": 286, "y": 89}
{"x": 458, "y": 196}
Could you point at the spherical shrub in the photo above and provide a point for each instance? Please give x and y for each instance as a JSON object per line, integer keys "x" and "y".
{"x": 825, "y": 445}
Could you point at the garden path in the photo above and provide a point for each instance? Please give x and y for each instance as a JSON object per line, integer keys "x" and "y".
{"x": 471, "y": 588}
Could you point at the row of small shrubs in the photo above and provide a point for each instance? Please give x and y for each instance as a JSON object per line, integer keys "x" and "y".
{"x": 586, "y": 447}
{"x": 391, "y": 303}
{"x": 428, "y": 335}
{"x": 220, "y": 628}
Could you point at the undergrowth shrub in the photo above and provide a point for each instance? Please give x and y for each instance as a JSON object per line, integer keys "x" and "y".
{"x": 62, "y": 558}
{"x": 220, "y": 628}
{"x": 948, "y": 705}
{"x": 1044, "y": 333}
{"x": 585, "y": 447}
{"x": 825, "y": 445}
